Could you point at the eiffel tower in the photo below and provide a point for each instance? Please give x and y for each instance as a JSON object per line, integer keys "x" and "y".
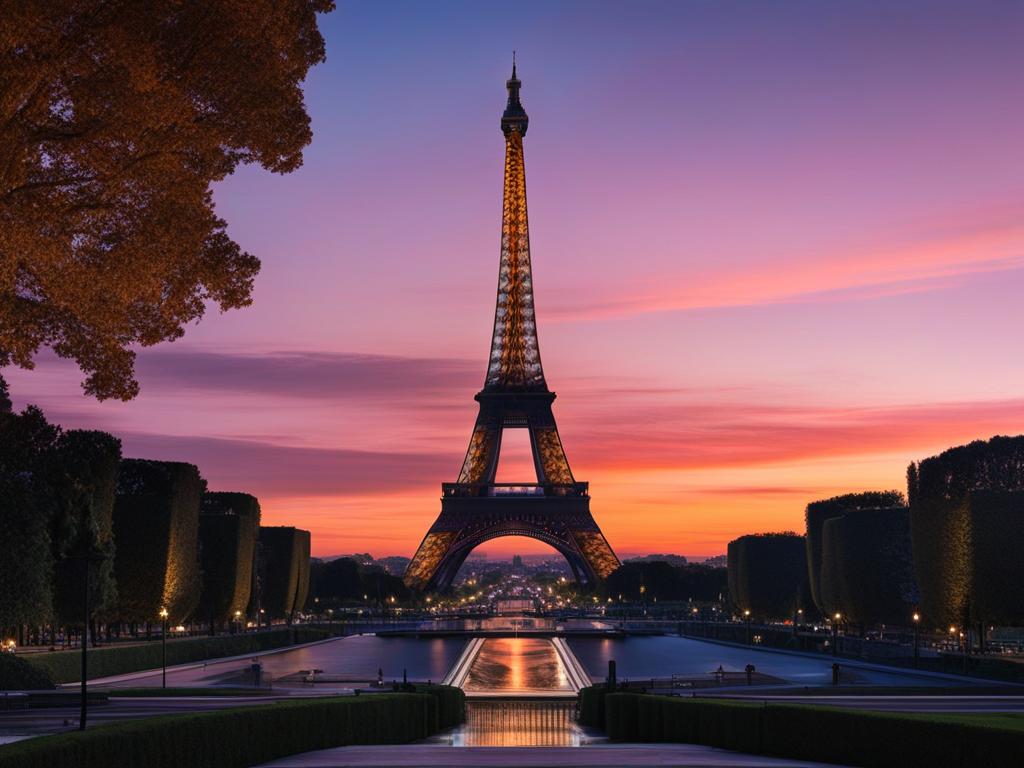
{"x": 555, "y": 509}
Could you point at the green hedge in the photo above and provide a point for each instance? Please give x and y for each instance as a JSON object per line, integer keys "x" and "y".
{"x": 279, "y": 570}
{"x": 819, "y": 511}
{"x": 769, "y": 574}
{"x": 867, "y": 570}
{"x": 821, "y": 734}
{"x": 234, "y": 738}
{"x": 228, "y": 529}
{"x": 16, "y": 674}
{"x": 83, "y": 481}
{"x": 65, "y": 666}
{"x": 451, "y": 703}
{"x": 997, "y": 541}
{"x": 156, "y": 535}
{"x": 947, "y": 542}
{"x": 302, "y": 566}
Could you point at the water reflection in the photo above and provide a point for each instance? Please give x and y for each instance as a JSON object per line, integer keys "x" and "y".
{"x": 517, "y": 665}
{"x": 518, "y": 724}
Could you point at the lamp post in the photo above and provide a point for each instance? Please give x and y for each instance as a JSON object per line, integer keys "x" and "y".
{"x": 163, "y": 645}
{"x": 238, "y": 621}
{"x": 746, "y": 618}
{"x": 835, "y": 633}
{"x": 917, "y": 627}
{"x": 796, "y": 619}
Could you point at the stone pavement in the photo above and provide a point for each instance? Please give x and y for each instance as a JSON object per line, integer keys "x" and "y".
{"x": 438, "y": 756}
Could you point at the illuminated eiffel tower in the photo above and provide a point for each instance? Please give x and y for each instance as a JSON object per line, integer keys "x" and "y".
{"x": 555, "y": 509}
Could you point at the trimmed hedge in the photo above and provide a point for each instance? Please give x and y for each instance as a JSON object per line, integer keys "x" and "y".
{"x": 768, "y": 573}
{"x": 83, "y": 481}
{"x": 65, "y": 666}
{"x": 819, "y": 511}
{"x": 821, "y": 734}
{"x": 228, "y": 528}
{"x": 302, "y": 579}
{"x": 997, "y": 544}
{"x": 947, "y": 542}
{"x": 235, "y": 738}
{"x": 226, "y": 588}
{"x": 16, "y": 674}
{"x": 279, "y": 570}
{"x": 451, "y": 704}
{"x": 156, "y": 531}
{"x": 867, "y": 570}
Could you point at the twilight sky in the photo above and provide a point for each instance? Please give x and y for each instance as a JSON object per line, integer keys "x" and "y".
{"x": 778, "y": 254}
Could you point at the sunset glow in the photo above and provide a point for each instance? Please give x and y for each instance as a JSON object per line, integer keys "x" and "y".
{"x": 757, "y": 285}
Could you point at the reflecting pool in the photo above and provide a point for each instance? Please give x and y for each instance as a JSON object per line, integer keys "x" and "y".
{"x": 517, "y": 665}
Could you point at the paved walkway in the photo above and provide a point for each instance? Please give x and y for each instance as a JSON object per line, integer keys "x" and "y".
{"x": 436, "y": 756}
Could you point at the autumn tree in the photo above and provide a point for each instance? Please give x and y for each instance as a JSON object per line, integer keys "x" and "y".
{"x": 115, "y": 119}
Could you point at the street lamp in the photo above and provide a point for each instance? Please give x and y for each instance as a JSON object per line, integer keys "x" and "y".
{"x": 835, "y": 633}
{"x": 917, "y": 627}
{"x": 238, "y": 620}
{"x": 746, "y": 618}
{"x": 163, "y": 644}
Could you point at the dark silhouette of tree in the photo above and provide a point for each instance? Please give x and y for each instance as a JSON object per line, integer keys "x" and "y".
{"x": 115, "y": 118}
{"x": 665, "y": 581}
{"x": 768, "y": 574}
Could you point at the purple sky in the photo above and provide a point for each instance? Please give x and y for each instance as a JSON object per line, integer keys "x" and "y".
{"x": 778, "y": 252}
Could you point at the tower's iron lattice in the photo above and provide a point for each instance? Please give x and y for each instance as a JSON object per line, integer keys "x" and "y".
{"x": 555, "y": 509}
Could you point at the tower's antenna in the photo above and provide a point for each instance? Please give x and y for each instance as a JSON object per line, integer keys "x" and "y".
{"x": 513, "y": 62}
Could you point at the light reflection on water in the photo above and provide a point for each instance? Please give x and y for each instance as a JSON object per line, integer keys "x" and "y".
{"x": 518, "y": 724}
{"x": 517, "y": 665}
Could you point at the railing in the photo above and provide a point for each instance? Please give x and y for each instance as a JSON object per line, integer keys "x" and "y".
{"x": 513, "y": 489}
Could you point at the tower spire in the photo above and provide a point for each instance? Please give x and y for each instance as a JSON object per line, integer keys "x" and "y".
{"x": 514, "y": 363}
{"x": 514, "y": 118}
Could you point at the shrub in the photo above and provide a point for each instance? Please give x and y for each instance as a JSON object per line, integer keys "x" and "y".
{"x": 83, "y": 480}
{"x": 279, "y": 570}
{"x": 867, "y": 568}
{"x": 156, "y": 532}
{"x": 16, "y": 674}
{"x": 228, "y": 527}
{"x": 941, "y": 525}
{"x": 820, "y": 734}
{"x": 234, "y": 738}
{"x": 820, "y": 511}
{"x": 302, "y": 578}
{"x": 769, "y": 574}
{"x": 65, "y": 666}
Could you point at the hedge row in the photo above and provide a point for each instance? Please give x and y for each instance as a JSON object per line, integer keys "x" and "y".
{"x": 65, "y": 666}
{"x": 821, "y": 734}
{"x": 280, "y": 550}
{"x": 819, "y": 511}
{"x": 952, "y": 534}
{"x": 235, "y": 738}
{"x": 768, "y": 574}
{"x": 867, "y": 570}
{"x": 156, "y": 535}
{"x": 228, "y": 527}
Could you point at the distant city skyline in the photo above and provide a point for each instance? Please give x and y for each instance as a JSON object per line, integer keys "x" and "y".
{"x": 778, "y": 255}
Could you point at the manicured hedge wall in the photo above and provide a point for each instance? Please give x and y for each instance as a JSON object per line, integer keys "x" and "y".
{"x": 769, "y": 574}
{"x": 867, "y": 566}
{"x": 16, "y": 674}
{"x": 820, "y": 511}
{"x": 235, "y": 738}
{"x": 156, "y": 532}
{"x": 941, "y": 530}
{"x": 26, "y": 562}
{"x": 820, "y": 734}
{"x": 997, "y": 557}
{"x": 279, "y": 570}
{"x": 302, "y": 580}
{"x": 65, "y": 666}
{"x": 228, "y": 528}
{"x": 83, "y": 481}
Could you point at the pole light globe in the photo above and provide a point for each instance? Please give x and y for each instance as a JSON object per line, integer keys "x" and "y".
{"x": 746, "y": 612}
{"x": 163, "y": 613}
{"x": 917, "y": 617}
